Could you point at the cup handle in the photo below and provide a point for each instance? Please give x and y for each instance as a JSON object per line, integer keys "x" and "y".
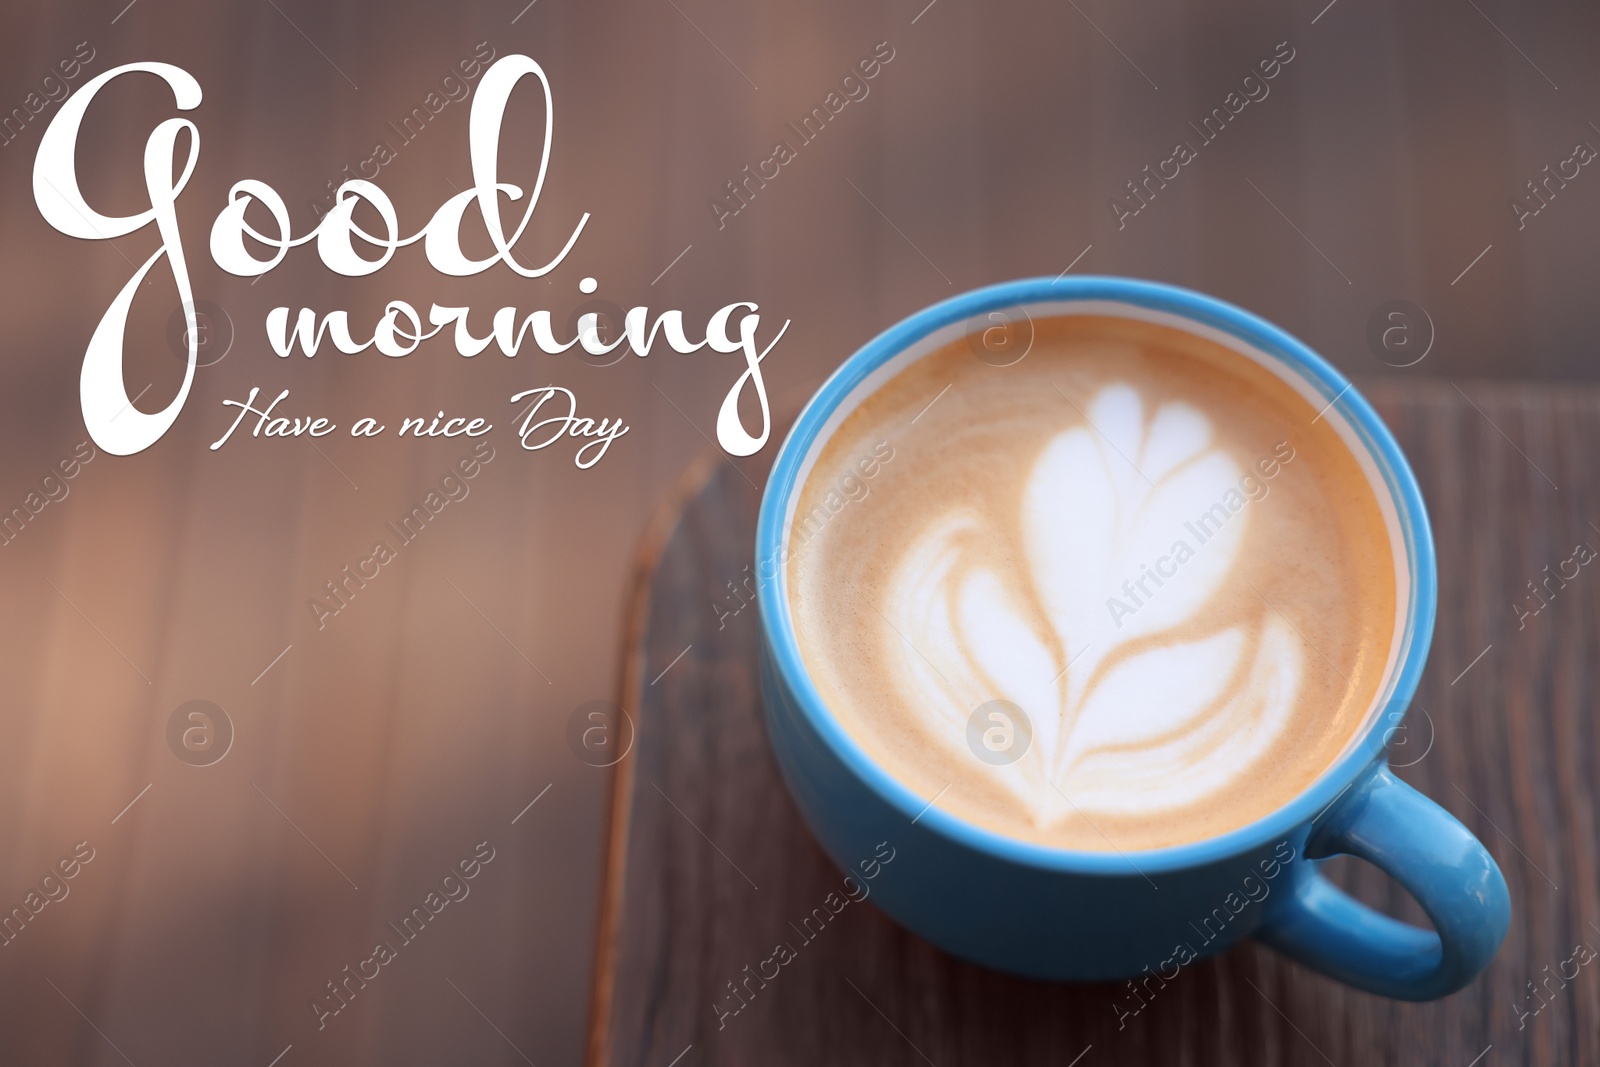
{"x": 1420, "y": 845}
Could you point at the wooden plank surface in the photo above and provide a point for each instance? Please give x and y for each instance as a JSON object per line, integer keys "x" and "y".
{"x": 710, "y": 863}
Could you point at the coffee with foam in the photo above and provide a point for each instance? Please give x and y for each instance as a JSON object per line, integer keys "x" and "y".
{"x": 1131, "y": 591}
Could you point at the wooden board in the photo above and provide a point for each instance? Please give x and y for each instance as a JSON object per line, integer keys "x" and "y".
{"x": 710, "y": 863}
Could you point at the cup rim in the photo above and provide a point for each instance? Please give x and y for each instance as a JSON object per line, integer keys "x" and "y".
{"x": 783, "y": 647}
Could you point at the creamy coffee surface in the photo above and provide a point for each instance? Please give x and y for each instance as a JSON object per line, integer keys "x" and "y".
{"x": 1128, "y": 592}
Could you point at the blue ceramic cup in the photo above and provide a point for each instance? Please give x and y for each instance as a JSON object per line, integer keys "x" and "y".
{"x": 1091, "y": 916}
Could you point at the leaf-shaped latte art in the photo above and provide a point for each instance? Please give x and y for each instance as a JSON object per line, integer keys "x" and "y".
{"x": 1127, "y": 716}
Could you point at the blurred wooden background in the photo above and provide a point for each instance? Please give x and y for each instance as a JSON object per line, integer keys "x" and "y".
{"x": 377, "y": 752}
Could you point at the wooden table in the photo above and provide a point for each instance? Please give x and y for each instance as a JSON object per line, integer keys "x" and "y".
{"x": 709, "y": 861}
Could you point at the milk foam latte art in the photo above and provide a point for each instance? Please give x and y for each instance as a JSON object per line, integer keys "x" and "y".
{"x": 1150, "y": 544}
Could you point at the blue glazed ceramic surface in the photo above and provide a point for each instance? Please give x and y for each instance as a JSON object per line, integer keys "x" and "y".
{"x": 1066, "y": 914}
